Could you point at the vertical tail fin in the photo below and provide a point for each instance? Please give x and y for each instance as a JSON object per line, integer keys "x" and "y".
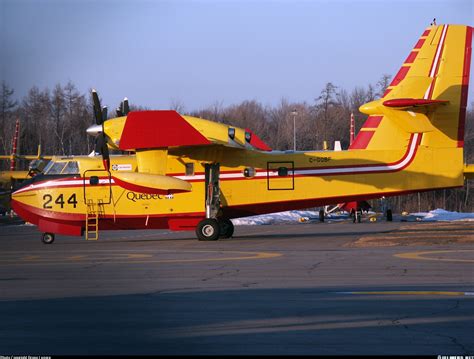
{"x": 427, "y": 95}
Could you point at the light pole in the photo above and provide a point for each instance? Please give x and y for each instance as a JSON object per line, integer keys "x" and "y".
{"x": 294, "y": 113}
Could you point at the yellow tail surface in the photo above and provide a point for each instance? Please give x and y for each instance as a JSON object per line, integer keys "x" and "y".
{"x": 428, "y": 95}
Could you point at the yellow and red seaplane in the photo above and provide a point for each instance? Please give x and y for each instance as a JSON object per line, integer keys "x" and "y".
{"x": 187, "y": 173}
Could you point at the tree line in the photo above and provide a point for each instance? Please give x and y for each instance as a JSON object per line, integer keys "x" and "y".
{"x": 57, "y": 120}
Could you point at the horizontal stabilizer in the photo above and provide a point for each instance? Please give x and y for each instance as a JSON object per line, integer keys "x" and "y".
{"x": 406, "y": 103}
{"x": 151, "y": 183}
{"x": 411, "y": 122}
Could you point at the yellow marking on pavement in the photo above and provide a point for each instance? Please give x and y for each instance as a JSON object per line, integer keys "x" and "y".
{"x": 253, "y": 255}
{"x": 421, "y": 255}
{"x": 123, "y": 257}
{"x": 75, "y": 258}
{"x": 29, "y": 258}
{"x": 135, "y": 255}
{"x": 423, "y": 292}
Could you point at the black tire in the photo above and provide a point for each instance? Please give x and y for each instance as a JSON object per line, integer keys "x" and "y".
{"x": 226, "y": 228}
{"x": 208, "y": 230}
{"x": 321, "y": 215}
{"x": 389, "y": 215}
{"x": 47, "y": 238}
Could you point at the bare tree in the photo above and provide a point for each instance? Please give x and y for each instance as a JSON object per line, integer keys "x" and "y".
{"x": 382, "y": 84}
{"x": 7, "y": 108}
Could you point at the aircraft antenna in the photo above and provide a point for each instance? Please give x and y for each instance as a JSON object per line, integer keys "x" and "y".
{"x": 14, "y": 145}
{"x": 352, "y": 134}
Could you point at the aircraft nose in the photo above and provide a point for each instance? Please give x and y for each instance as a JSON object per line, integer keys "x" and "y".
{"x": 94, "y": 130}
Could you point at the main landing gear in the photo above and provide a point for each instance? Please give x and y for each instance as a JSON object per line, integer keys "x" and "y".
{"x": 47, "y": 238}
{"x": 213, "y": 227}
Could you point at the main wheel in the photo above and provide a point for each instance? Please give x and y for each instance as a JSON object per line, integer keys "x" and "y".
{"x": 226, "y": 228}
{"x": 321, "y": 215}
{"x": 208, "y": 230}
{"x": 47, "y": 238}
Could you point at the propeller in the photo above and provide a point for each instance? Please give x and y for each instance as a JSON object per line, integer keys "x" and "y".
{"x": 97, "y": 130}
{"x": 100, "y": 114}
{"x": 123, "y": 108}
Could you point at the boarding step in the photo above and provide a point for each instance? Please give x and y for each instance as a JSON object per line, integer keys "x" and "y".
{"x": 95, "y": 210}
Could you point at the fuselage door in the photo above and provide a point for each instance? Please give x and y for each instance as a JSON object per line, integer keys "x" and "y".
{"x": 97, "y": 186}
{"x": 280, "y": 176}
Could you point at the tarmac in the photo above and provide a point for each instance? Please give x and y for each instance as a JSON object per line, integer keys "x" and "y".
{"x": 301, "y": 289}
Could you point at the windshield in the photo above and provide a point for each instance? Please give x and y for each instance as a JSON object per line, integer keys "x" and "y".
{"x": 54, "y": 168}
{"x": 71, "y": 168}
{"x": 65, "y": 168}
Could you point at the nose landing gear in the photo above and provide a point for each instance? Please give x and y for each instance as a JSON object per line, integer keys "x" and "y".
{"x": 47, "y": 238}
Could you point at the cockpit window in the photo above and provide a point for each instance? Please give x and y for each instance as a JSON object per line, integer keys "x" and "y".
{"x": 54, "y": 168}
{"x": 71, "y": 168}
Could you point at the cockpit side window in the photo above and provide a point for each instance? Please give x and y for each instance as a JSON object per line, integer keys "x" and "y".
{"x": 71, "y": 168}
{"x": 55, "y": 168}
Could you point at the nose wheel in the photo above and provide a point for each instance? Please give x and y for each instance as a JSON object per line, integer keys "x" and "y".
{"x": 47, "y": 238}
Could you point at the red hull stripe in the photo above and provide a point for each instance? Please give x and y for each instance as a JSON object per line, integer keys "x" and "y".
{"x": 465, "y": 86}
{"x": 373, "y": 122}
{"x": 426, "y": 33}
{"x": 435, "y": 65}
{"x": 32, "y": 214}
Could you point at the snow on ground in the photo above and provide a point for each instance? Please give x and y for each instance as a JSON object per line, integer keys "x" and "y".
{"x": 284, "y": 217}
{"x": 443, "y": 215}
{"x": 304, "y": 216}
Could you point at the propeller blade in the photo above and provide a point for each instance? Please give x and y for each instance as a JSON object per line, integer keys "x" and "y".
{"x": 99, "y": 143}
{"x": 102, "y": 149}
{"x": 97, "y": 109}
{"x": 104, "y": 113}
{"x": 105, "y": 154}
{"x": 125, "y": 107}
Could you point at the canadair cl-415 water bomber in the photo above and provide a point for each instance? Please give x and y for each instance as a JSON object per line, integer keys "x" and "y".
{"x": 186, "y": 173}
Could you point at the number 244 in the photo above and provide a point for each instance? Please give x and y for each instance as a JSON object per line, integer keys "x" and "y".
{"x": 47, "y": 198}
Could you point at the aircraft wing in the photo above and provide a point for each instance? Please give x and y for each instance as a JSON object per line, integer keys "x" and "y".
{"x": 165, "y": 129}
{"x": 469, "y": 171}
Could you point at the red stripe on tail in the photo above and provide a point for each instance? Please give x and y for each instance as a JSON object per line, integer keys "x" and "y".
{"x": 465, "y": 86}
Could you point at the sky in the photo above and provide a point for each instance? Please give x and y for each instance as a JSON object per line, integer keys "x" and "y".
{"x": 201, "y": 53}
